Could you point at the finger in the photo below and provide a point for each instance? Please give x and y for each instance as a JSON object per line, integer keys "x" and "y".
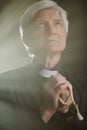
{"x": 48, "y": 84}
{"x": 64, "y": 106}
{"x": 63, "y": 86}
{"x": 59, "y": 79}
{"x": 64, "y": 95}
{"x": 56, "y": 80}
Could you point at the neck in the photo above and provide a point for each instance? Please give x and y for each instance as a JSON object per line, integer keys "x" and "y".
{"x": 49, "y": 61}
{"x": 52, "y": 60}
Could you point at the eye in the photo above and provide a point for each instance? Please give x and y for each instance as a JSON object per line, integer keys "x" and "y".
{"x": 57, "y": 23}
{"x": 40, "y": 25}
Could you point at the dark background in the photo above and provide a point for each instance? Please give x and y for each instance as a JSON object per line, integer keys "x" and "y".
{"x": 12, "y": 52}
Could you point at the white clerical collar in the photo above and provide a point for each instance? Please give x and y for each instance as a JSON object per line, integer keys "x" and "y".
{"x": 47, "y": 73}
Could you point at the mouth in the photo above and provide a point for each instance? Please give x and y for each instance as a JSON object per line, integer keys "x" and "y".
{"x": 53, "y": 40}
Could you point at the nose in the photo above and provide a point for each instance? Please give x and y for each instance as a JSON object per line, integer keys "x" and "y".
{"x": 51, "y": 29}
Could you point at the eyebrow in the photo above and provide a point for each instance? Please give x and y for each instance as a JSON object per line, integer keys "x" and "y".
{"x": 43, "y": 20}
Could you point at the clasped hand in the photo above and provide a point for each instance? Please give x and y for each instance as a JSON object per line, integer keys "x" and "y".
{"x": 57, "y": 94}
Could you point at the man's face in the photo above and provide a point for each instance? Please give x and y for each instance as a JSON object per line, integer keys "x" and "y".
{"x": 48, "y": 31}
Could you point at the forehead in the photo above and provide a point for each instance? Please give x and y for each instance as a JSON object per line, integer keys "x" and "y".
{"x": 47, "y": 13}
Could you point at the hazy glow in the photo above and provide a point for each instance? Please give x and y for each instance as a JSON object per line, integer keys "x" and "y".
{"x": 13, "y": 54}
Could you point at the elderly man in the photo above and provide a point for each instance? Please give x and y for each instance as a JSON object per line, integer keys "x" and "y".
{"x": 38, "y": 96}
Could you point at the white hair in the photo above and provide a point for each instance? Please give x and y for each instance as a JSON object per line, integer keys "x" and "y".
{"x": 34, "y": 8}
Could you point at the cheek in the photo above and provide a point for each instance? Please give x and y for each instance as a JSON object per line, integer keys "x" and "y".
{"x": 37, "y": 39}
{"x": 39, "y": 33}
{"x": 63, "y": 37}
{"x": 40, "y": 37}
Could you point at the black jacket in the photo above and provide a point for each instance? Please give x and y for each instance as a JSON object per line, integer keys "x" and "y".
{"x": 21, "y": 96}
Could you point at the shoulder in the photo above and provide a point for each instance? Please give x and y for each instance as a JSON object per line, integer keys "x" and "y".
{"x": 29, "y": 69}
{"x": 14, "y": 79}
{"x": 76, "y": 78}
{"x": 20, "y": 78}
